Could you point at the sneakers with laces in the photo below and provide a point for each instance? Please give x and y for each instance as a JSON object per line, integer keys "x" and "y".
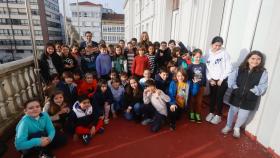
{"x": 106, "y": 121}
{"x": 192, "y": 117}
{"x": 226, "y": 130}
{"x": 45, "y": 155}
{"x": 209, "y": 117}
{"x": 146, "y": 122}
{"x": 216, "y": 119}
{"x": 86, "y": 138}
{"x": 197, "y": 118}
{"x": 236, "y": 132}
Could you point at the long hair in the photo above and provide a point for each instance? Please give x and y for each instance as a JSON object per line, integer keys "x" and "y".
{"x": 129, "y": 90}
{"x": 245, "y": 65}
{"x": 183, "y": 72}
{"x": 54, "y": 108}
{"x": 49, "y": 45}
{"x": 141, "y": 37}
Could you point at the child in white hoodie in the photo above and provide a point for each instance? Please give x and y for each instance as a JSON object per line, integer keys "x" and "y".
{"x": 155, "y": 102}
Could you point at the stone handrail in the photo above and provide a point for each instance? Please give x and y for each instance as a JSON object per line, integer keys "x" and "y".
{"x": 17, "y": 85}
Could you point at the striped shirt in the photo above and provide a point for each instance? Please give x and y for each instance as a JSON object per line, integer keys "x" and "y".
{"x": 152, "y": 62}
{"x": 130, "y": 58}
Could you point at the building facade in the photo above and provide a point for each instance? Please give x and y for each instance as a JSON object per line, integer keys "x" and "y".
{"x": 112, "y": 28}
{"x": 15, "y": 35}
{"x": 244, "y": 25}
{"x": 89, "y": 18}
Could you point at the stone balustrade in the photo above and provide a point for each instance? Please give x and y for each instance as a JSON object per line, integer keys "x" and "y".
{"x": 17, "y": 85}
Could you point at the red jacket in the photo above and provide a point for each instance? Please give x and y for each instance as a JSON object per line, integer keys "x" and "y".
{"x": 140, "y": 63}
{"x": 87, "y": 88}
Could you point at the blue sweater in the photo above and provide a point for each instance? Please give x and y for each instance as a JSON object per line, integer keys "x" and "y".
{"x": 29, "y": 125}
{"x": 103, "y": 64}
{"x": 193, "y": 90}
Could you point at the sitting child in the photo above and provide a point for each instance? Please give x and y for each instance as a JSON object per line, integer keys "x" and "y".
{"x": 124, "y": 79}
{"x": 88, "y": 86}
{"x": 84, "y": 119}
{"x": 147, "y": 76}
{"x": 35, "y": 133}
{"x": 118, "y": 96}
{"x": 68, "y": 87}
{"x": 103, "y": 99}
{"x": 57, "y": 109}
{"x": 158, "y": 100}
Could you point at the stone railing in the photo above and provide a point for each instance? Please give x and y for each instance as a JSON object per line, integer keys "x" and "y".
{"x": 17, "y": 85}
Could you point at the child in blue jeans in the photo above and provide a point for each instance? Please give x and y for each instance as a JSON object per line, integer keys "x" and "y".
{"x": 118, "y": 95}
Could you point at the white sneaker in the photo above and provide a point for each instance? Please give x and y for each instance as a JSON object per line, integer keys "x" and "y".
{"x": 236, "y": 132}
{"x": 216, "y": 119}
{"x": 209, "y": 117}
{"x": 106, "y": 121}
{"x": 226, "y": 130}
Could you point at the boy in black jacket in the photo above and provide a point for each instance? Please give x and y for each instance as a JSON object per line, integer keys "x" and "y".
{"x": 85, "y": 120}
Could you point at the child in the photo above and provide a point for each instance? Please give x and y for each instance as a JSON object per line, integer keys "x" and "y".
{"x": 163, "y": 55}
{"x": 35, "y": 133}
{"x": 111, "y": 50}
{"x": 119, "y": 62}
{"x": 179, "y": 92}
{"x": 133, "y": 100}
{"x": 147, "y": 76}
{"x": 218, "y": 69}
{"x": 88, "y": 59}
{"x": 103, "y": 63}
{"x": 58, "y": 49}
{"x": 124, "y": 79}
{"x": 68, "y": 87}
{"x": 88, "y": 86}
{"x": 161, "y": 80}
{"x": 130, "y": 53}
{"x": 70, "y": 63}
{"x": 249, "y": 83}
{"x": 140, "y": 63}
{"x": 118, "y": 96}
{"x": 50, "y": 63}
{"x": 77, "y": 78}
{"x": 52, "y": 86}
{"x": 113, "y": 75}
{"x": 84, "y": 119}
{"x": 172, "y": 70}
{"x": 75, "y": 53}
{"x": 152, "y": 61}
{"x": 103, "y": 99}
{"x": 58, "y": 109}
{"x": 158, "y": 100}
{"x": 197, "y": 71}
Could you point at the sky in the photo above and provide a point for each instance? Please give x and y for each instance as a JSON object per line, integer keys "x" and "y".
{"x": 116, "y": 5}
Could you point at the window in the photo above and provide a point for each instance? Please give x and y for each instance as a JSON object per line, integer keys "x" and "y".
{"x": 35, "y": 12}
{"x": 36, "y": 22}
{"x": 38, "y": 32}
{"x": 74, "y": 14}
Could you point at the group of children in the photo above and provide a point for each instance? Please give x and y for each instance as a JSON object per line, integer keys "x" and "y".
{"x": 151, "y": 83}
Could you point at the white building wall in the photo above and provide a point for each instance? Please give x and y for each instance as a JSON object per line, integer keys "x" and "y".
{"x": 244, "y": 25}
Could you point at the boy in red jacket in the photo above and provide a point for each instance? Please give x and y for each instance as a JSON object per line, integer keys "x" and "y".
{"x": 88, "y": 86}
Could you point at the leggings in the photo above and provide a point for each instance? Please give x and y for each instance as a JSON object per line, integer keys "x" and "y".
{"x": 241, "y": 117}
{"x": 216, "y": 96}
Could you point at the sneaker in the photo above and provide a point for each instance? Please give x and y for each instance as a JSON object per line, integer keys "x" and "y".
{"x": 101, "y": 130}
{"x": 86, "y": 138}
{"x": 45, "y": 155}
{"x": 106, "y": 121}
{"x": 146, "y": 122}
{"x": 226, "y": 130}
{"x": 236, "y": 132}
{"x": 209, "y": 117}
{"x": 192, "y": 117}
{"x": 216, "y": 119}
{"x": 172, "y": 127}
{"x": 197, "y": 118}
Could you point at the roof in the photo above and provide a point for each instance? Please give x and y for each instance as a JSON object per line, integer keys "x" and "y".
{"x": 108, "y": 16}
{"x": 86, "y": 3}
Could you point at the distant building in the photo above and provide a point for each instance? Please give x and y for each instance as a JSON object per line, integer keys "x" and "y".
{"x": 112, "y": 28}
{"x": 108, "y": 10}
{"x": 15, "y": 36}
{"x": 88, "y": 19}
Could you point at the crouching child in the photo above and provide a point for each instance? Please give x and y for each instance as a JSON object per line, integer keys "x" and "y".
{"x": 84, "y": 120}
{"x": 155, "y": 101}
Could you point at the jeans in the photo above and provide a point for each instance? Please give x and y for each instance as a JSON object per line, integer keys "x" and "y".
{"x": 135, "y": 112}
{"x": 241, "y": 117}
{"x": 150, "y": 112}
{"x": 117, "y": 106}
